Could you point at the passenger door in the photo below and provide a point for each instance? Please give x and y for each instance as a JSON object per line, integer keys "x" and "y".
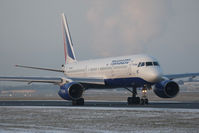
{"x": 134, "y": 69}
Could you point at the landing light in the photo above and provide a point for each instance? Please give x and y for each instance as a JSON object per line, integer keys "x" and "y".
{"x": 144, "y": 91}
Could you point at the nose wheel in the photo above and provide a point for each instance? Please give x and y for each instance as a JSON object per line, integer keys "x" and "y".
{"x": 144, "y": 99}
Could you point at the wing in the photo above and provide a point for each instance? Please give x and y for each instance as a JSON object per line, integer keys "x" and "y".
{"x": 89, "y": 81}
{"x": 175, "y": 76}
{"x": 55, "y": 80}
{"x": 40, "y": 68}
{"x": 32, "y": 79}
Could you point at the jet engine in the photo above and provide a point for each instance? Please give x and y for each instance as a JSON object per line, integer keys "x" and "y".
{"x": 71, "y": 91}
{"x": 166, "y": 89}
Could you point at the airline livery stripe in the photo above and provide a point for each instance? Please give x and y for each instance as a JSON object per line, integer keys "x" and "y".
{"x": 67, "y": 41}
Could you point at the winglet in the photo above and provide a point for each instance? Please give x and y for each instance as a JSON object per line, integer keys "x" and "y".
{"x": 68, "y": 45}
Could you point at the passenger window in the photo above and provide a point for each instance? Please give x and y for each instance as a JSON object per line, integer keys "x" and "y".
{"x": 149, "y": 64}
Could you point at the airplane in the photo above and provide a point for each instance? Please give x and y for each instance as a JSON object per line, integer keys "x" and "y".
{"x": 129, "y": 72}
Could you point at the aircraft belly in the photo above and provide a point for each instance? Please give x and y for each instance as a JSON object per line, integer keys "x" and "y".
{"x": 125, "y": 82}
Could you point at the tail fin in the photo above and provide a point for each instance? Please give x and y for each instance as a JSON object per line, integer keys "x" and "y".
{"x": 68, "y": 45}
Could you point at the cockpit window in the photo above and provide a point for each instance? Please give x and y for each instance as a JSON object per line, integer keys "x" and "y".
{"x": 149, "y": 64}
{"x": 155, "y": 63}
{"x": 141, "y": 64}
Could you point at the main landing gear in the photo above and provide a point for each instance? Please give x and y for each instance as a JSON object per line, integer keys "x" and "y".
{"x": 136, "y": 100}
{"x": 78, "y": 102}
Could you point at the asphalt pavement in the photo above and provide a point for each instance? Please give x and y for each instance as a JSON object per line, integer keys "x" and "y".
{"x": 152, "y": 104}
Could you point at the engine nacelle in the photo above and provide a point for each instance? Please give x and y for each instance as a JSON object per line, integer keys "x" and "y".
{"x": 166, "y": 89}
{"x": 71, "y": 91}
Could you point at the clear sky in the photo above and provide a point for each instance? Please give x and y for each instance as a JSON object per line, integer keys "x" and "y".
{"x": 31, "y": 34}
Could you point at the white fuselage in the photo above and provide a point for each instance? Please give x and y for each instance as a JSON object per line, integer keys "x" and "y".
{"x": 135, "y": 66}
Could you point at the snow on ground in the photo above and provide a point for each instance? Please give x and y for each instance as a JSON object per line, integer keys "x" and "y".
{"x": 97, "y": 120}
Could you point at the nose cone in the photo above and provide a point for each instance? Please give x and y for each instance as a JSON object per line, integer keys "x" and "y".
{"x": 153, "y": 75}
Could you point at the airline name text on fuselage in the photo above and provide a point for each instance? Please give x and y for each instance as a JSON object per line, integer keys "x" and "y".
{"x": 121, "y": 61}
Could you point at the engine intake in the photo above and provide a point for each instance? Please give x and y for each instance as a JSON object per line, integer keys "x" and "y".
{"x": 166, "y": 89}
{"x": 71, "y": 91}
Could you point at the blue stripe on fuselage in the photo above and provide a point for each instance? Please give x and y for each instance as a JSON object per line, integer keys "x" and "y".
{"x": 126, "y": 82}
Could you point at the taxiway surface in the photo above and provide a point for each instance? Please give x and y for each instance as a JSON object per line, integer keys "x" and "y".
{"x": 152, "y": 104}
{"x": 103, "y": 112}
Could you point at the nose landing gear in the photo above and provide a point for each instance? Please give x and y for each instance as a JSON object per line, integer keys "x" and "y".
{"x": 136, "y": 100}
{"x": 144, "y": 99}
